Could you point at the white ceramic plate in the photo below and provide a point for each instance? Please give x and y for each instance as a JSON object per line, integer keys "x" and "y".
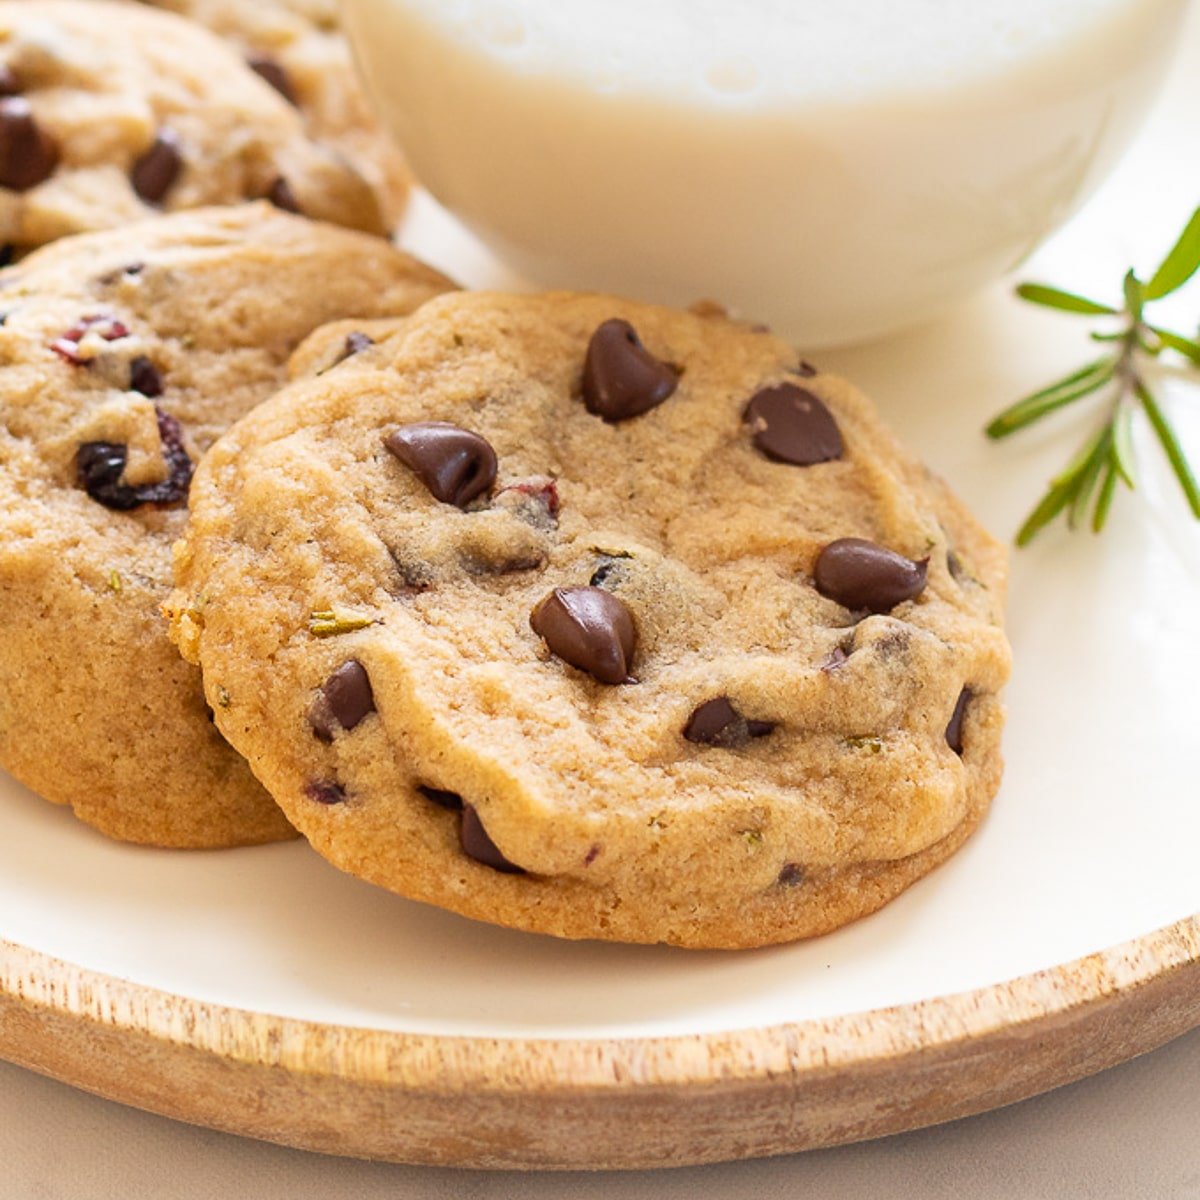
{"x": 1091, "y": 842}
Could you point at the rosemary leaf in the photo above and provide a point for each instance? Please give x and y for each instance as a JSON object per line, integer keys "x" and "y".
{"x": 1049, "y": 297}
{"x": 1100, "y": 456}
{"x": 1104, "y": 500}
{"x": 1122, "y": 444}
{"x": 1177, "y": 342}
{"x": 1181, "y": 262}
{"x": 1170, "y": 444}
{"x": 1135, "y": 295}
{"x": 1057, "y": 497}
{"x": 1033, "y": 407}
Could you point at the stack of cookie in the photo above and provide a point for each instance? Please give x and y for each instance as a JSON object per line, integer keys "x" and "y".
{"x": 125, "y": 351}
{"x": 563, "y": 612}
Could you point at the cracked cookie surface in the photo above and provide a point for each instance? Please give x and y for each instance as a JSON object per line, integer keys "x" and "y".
{"x": 598, "y": 619}
{"x": 123, "y": 355}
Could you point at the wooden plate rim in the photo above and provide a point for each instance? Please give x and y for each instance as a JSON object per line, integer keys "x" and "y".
{"x": 53, "y": 1014}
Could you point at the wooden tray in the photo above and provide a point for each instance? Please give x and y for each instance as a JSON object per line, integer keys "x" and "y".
{"x": 259, "y": 991}
{"x": 495, "y": 1102}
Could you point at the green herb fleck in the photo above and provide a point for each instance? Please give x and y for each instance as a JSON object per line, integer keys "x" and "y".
{"x": 871, "y": 745}
{"x": 658, "y": 821}
{"x": 1089, "y": 481}
{"x": 752, "y": 837}
{"x": 114, "y": 581}
{"x": 329, "y": 622}
{"x": 223, "y": 700}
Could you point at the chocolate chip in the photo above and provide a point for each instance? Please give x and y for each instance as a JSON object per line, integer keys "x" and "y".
{"x": 7, "y": 253}
{"x": 864, "y": 575}
{"x": 479, "y": 846}
{"x": 343, "y": 701}
{"x": 790, "y": 875}
{"x": 954, "y": 731}
{"x": 28, "y": 154}
{"x": 145, "y": 377}
{"x": 154, "y": 174}
{"x": 621, "y": 378}
{"x": 717, "y": 723}
{"x": 710, "y": 721}
{"x": 588, "y": 628}
{"x": 455, "y": 464}
{"x": 325, "y": 791}
{"x": 281, "y": 195}
{"x": 450, "y": 801}
{"x": 355, "y": 343}
{"x": 100, "y": 465}
{"x": 789, "y": 424}
{"x": 273, "y": 72}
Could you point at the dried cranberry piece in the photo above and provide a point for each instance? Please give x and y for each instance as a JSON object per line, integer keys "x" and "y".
{"x": 543, "y": 489}
{"x": 325, "y": 791}
{"x": 103, "y": 324}
{"x": 100, "y": 465}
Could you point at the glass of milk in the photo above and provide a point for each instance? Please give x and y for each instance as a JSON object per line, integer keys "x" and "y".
{"x": 837, "y": 169}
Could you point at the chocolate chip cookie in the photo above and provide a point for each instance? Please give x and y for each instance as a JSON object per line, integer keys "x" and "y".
{"x": 123, "y": 354}
{"x": 297, "y": 46}
{"x": 598, "y": 619}
{"x": 112, "y": 112}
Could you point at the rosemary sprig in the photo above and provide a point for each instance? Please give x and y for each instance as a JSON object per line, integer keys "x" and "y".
{"x": 1089, "y": 481}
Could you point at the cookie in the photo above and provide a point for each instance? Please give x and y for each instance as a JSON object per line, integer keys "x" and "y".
{"x": 298, "y": 47}
{"x": 600, "y": 620}
{"x": 112, "y": 112}
{"x": 123, "y": 354}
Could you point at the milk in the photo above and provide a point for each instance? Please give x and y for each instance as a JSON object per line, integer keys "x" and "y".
{"x": 838, "y": 169}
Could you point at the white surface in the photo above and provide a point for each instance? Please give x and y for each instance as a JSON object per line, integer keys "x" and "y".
{"x": 1129, "y": 1134}
{"x": 1091, "y": 841}
{"x": 841, "y": 169}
